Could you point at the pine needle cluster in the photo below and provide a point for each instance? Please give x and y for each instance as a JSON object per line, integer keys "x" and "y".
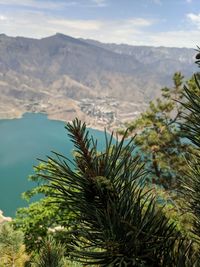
{"x": 116, "y": 221}
{"x": 191, "y": 129}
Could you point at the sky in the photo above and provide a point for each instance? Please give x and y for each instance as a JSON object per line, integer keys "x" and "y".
{"x": 173, "y": 23}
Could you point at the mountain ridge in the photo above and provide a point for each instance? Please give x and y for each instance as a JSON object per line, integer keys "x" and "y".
{"x": 36, "y": 73}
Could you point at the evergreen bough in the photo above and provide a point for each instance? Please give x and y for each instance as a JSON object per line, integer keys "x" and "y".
{"x": 50, "y": 255}
{"x": 116, "y": 221}
{"x": 191, "y": 130}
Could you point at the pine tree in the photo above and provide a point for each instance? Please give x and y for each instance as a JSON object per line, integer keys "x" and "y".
{"x": 159, "y": 139}
{"x": 191, "y": 129}
{"x": 116, "y": 221}
{"x": 50, "y": 255}
{"x": 12, "y": 249}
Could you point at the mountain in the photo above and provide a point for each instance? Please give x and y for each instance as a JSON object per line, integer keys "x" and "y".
{"x": 67, "y": 77}
{"x": 169, "y": 58}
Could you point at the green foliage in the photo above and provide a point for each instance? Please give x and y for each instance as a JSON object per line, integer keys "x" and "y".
{"x": 173, "y": 209}
{"x": 159, "y": 137}
{"x": 191, "y": 130}
{"x": 116, "y": 222}
{"x": 35, "y": 221}
{"x": 50, "y": 255}
{"x": 12, "y": 249}
{"x": 40, "y": 218}
{"x": 100, "y": 207}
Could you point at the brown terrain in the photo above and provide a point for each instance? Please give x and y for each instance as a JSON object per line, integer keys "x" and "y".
{"x": 102, "y": 84}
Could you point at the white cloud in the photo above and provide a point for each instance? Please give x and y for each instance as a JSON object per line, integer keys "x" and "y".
{"x": 139, "y": 22}
{"x": 49, "y": 4}
{"x": 38, "y": 4}
{"x": 135, "y": 31}
{"x": 85, "y": 25}
{"x": 100, "y": 3}
{"x": 158, "y": 2}
{"x": 189, "y": 1}
{"x": 187, "y": 38}
{"x": 38, "y": 24}
{"x": 195, "y": 19}
{"x": 2, "y": 18}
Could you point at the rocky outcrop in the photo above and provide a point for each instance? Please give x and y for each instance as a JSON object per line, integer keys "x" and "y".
{"x": 3, "y": 218}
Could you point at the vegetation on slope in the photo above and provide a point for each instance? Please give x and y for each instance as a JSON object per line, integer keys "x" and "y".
{"x": 99, "y": 208}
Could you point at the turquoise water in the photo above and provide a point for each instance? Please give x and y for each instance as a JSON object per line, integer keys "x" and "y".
{"x": 22, "y": 141}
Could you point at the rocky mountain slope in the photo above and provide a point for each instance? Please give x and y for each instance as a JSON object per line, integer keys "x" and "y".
{"x": 67, "y": 77}
{"x": 161, "y": 60}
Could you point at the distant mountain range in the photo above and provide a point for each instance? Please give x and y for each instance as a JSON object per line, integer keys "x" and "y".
{"x": 59, "y": 73}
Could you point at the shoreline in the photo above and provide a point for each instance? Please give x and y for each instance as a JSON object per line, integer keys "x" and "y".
{"x": 90, "y": 125}
{"x": 3, "y": 218}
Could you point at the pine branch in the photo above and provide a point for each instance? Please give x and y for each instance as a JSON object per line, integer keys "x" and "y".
{"x": 116, "y": 220}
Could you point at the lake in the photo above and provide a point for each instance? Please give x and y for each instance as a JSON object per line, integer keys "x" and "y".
{"x": 22, "y": 141}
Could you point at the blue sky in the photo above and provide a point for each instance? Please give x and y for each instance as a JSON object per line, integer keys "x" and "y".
{"x": 137, "y": 22}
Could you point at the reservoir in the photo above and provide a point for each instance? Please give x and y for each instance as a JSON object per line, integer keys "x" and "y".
{"x": 22, "y": 141}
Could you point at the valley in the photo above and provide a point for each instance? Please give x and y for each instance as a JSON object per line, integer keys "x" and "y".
{"x": 102, "y": 84}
